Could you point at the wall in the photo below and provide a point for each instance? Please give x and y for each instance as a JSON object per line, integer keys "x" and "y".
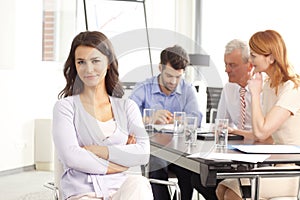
{"x": 28, "y": 86}
{"x": 226, "y": 20}
{"x": 7, "y": 38}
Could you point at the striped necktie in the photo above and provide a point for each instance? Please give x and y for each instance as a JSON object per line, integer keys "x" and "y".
{"x": 243, "y": 108}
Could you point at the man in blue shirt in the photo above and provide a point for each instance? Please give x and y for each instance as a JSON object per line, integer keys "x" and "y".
{"x": 167, "y": 93}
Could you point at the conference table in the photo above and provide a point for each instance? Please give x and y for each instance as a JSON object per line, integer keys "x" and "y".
{"x": 174, "y": 149}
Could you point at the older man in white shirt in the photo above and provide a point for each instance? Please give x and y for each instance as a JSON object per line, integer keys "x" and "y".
{"x": 238, "y": 68}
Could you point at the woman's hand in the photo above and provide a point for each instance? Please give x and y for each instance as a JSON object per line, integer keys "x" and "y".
{"x": 255, "y": 84}
{"x": 102, "y": 151}
{"x": 115, "y": 168}
{"x": 131, "y": 139}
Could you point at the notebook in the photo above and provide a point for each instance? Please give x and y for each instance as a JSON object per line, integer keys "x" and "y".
{"x": 211, "y": 136}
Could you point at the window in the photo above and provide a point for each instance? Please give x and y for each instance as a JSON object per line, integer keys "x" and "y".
{"x": 49, "y": 14}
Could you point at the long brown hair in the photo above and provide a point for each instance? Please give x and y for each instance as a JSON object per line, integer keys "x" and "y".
{"x": 99, "y": 41}
{"x": 270, "y": 42}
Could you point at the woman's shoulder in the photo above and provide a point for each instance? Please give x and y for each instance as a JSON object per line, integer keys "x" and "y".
{"x": 66, "y": 102}
{"x": 122, "y": 101}
{"x": 288, "y": 86}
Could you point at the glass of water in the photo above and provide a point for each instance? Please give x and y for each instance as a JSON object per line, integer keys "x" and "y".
{"x": 221, "y": 133}
{"x": 148, "y": 118}
{"x": 190, "y": 130}
{"x": 179, "y": 123}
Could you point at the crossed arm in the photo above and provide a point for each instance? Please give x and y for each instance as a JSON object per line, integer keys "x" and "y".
{"x": 102, "y": 152}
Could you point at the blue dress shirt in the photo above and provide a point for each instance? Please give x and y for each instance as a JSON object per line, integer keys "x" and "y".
{"x": 147, "y": 94}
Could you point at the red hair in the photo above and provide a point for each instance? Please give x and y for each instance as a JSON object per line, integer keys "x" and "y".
{"x": 270, "y": 42}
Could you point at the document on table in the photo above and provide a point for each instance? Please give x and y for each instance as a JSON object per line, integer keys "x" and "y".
{"x": 165, "y": 128}
{"x": 252, "y": 158}
{"x": 266, "y": 149}
{"x": 169, "y": 128}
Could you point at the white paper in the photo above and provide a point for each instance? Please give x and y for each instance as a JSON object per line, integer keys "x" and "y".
{"x": 252, "y": 158}
{"x": 206, "y": 127}
{"x": 164, "y": 127}
{"x": 268, "y": 148}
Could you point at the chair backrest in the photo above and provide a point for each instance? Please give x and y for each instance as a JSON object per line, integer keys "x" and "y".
{"x": 201, "y": 89}
{"x": 213, "y": 97}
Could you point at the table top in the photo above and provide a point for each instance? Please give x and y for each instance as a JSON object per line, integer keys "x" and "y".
{"x": 176, "y": 145}
{"x": 173, "y": 149}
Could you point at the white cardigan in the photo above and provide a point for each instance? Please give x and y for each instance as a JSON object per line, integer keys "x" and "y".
{"x": 74, "y": 127}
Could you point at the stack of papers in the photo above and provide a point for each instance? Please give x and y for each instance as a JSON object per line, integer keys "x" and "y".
{"x": 206, "y": 127}
{"x": 166, "y": 128}
{"x": 254, "y": 153}
{"x": 252, "y": 158}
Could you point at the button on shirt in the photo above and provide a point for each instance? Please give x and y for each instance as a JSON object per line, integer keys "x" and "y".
{"x": 147, "y": 94}
{"x": 229, "y": 105}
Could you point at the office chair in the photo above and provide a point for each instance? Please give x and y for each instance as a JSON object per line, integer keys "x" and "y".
{"x": 213, "y": 98}
{"x": 58, "y": 170}
{"x": 212, "y": 115}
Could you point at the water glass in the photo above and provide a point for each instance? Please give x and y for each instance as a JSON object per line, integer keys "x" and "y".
{"x": 179, "y": 123}
{"x": 221, "y": 133}
{"x": 190, "y": 130}
{"x": 148, "y": 119}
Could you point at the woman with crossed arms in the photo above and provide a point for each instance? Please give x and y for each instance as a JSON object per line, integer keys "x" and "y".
{"x": 98, "y": 135}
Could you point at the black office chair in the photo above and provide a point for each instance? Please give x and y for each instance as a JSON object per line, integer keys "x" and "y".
{"x": 213, "y": 98}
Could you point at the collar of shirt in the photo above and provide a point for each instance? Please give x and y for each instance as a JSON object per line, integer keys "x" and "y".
{"x": 156, "y": 88}
{"x": 246, "y": 87}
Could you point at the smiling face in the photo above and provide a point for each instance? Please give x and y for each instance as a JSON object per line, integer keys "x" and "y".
{"x": 91, "y": 66}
